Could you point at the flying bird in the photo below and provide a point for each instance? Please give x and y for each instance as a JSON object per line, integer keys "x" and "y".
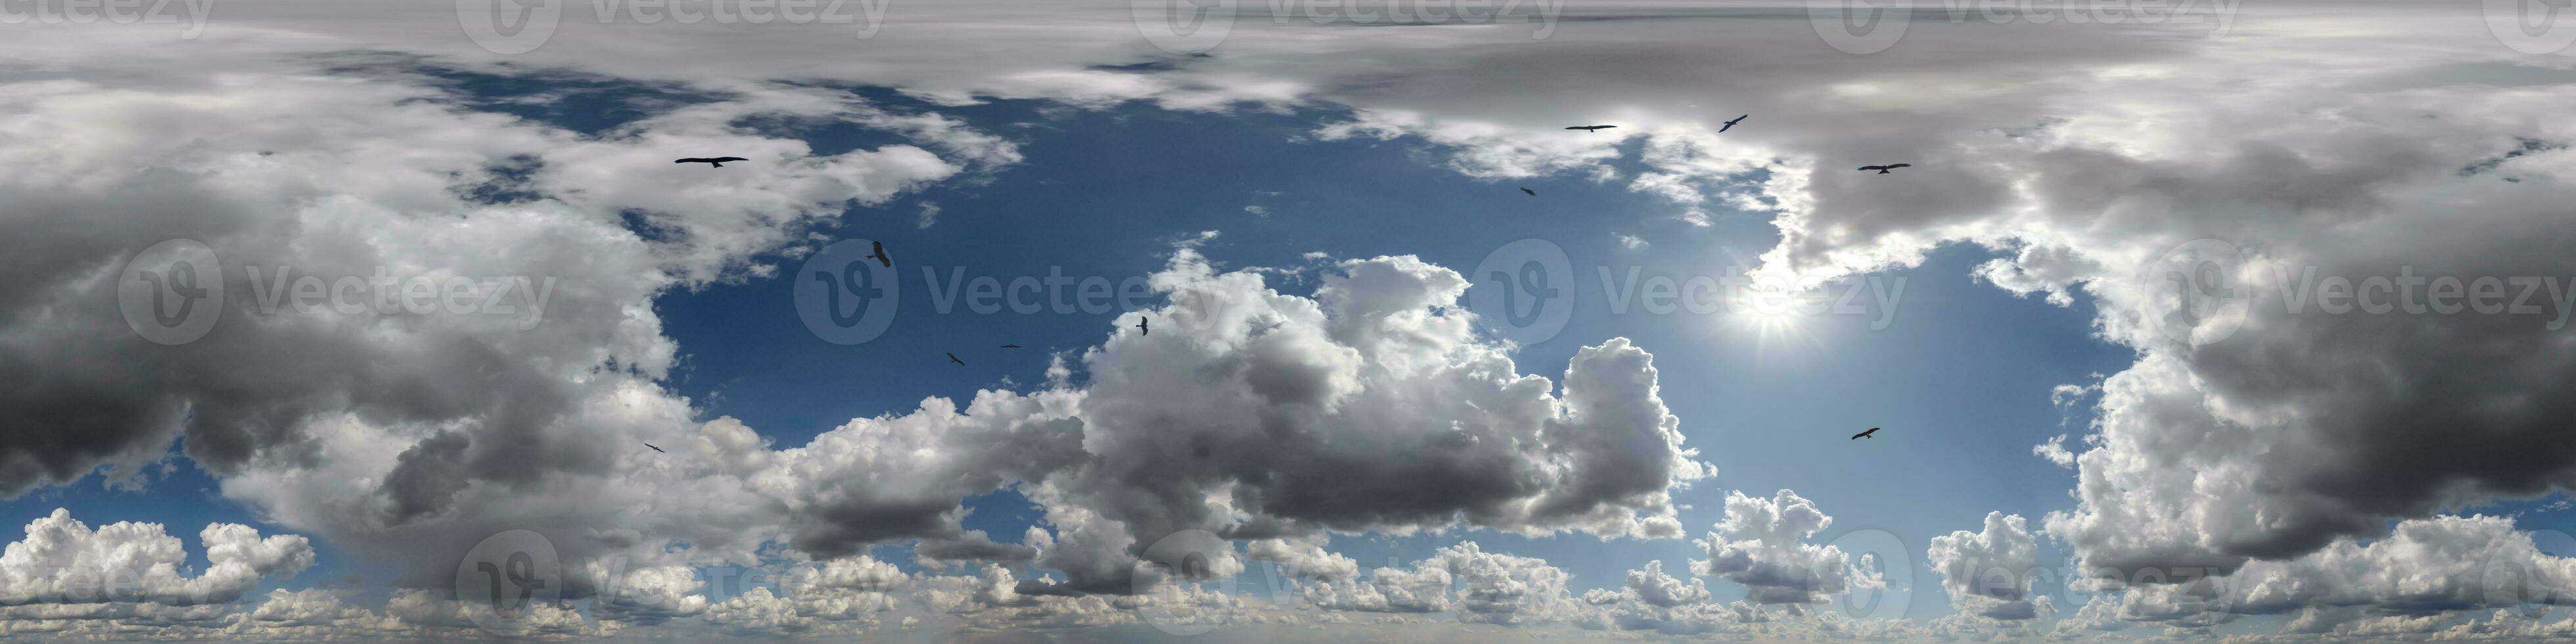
{"x": 880, "y": 255}
{"x": 1010, "y": 346}
{"x": 1882, "y": 169}
{"x": 1591, "y": 128}
{"x": 717, "y": 162}
{"x": 1731, "y": 124}
{"x": 953, "y": 358}
{"x": 1866, "y": 434}
{"x": 1532, "y": 193}
{"x": 657, "y": 449}
{"x": 1141, "y": 329}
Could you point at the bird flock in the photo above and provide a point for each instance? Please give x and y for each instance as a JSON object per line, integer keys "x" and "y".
{"x": 1144, "y": 326}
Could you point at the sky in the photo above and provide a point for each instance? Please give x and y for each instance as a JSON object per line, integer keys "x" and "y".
{"x": 1250, "y": 321}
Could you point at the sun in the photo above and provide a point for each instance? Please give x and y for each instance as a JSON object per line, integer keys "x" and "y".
{"x": 1776, "y": 323}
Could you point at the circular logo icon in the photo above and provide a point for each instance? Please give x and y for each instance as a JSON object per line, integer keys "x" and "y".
{"x": 1880, "y": 554}
{"x": 2512, "y": 579}
{"x": 509, "y": 27}
{"x": 173, "y": 292}
{"x": 1186, "y": 556}
{"x": 1860, "y": 27}
{"x": 2196, "y": 293}
{"x": 503, "y": 580}
{"x": 1184, "y": 26}
{"x": 2528, "y": 26}
{"x": 1523, "y": 290}
{"x": 846, "y": 294}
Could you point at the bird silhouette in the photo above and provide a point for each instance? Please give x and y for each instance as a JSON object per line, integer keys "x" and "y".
{"x": 953, "y": 358}
{"x": 1866, "y": 434}
{"x": 1532, "y": 193}
{"x": 1010, "y": 346}
{"x": 1731, "y": 124}
{"x": 1882, "y": 169}
{"x": 1591, "y": 128}
{"x": 1141, "y": 329}
{"x": 657, "y": 449}
{"x": 717, "y": 162}
{"x": 880, "y": 255}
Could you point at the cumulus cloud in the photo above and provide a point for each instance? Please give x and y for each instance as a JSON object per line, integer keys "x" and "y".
{"x": 1302, "y": 559}
{"x": 1762, "y": 544}
{"x": 1988, "y": 573}
{"x": 2424, "y": 567}
{"x": 63, "y": 561}
{"x": 1374, "y": 405}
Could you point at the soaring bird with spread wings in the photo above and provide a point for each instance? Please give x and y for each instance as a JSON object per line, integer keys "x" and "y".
{"x": 1532, "y": 193}
{"x": 657, "y": 449}
{"x": 880, "y": 255}
{"x": 1882, "y": 169}
{"x": 1731, "y": 124}
{"x": 1866, "y": 434}
{"x": 953, "y": 358}
{"x": 716, "y": 162}
{"x": 1142, "y": 328}
{"x": 1591, "y": 128}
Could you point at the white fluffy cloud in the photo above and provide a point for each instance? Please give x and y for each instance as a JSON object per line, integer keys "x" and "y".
{"x": 1989, "y": 572}
{"x": 1762, "y": 544}
{"x": 63, "y": 561}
